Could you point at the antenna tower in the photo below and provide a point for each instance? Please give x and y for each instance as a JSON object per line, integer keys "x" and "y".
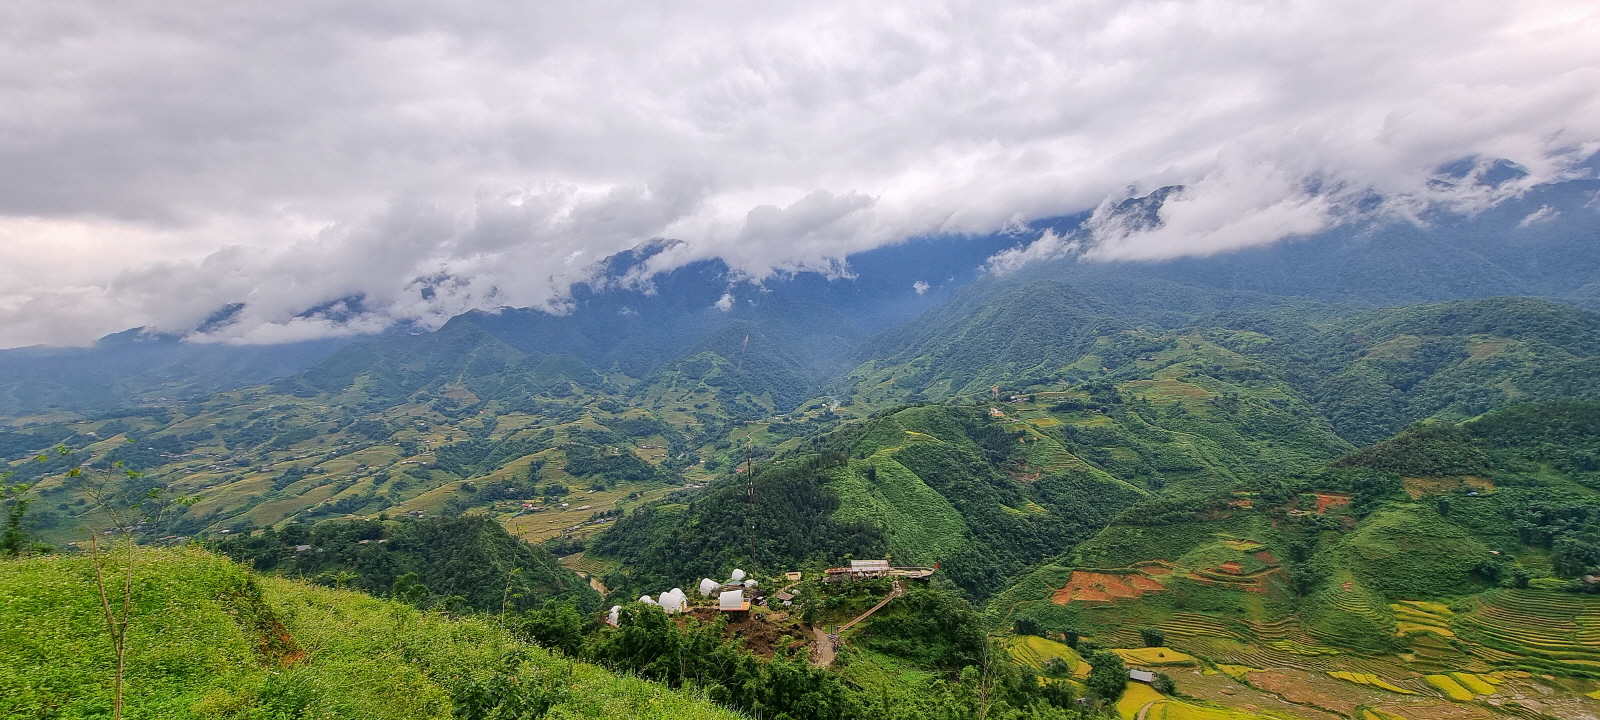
{"x": 750, "y": 479}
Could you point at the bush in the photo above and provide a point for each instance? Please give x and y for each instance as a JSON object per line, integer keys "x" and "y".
{"x": 1108, "y": 676}
{"x": 1153, "y": 637}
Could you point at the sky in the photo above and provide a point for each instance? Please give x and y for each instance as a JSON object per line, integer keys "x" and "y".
{"x": 249, "y": 169}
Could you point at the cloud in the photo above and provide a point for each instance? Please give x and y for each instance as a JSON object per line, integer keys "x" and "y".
{"x": 1544, "y": 213}
{"x": 920, "y": 286}
{"x": 165, "y": 159}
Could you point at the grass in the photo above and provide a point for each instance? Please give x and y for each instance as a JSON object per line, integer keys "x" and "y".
{"x": 208, "y": 639}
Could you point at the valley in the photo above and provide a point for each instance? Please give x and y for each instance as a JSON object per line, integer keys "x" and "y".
{"x": 1278, "y": 507}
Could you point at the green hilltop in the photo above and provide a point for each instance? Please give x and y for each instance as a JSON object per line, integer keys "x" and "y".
{"x": 209, "y": 639}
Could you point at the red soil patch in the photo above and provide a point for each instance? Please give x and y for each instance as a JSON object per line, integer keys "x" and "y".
{"x": 1243, "y": 503}
{"x": 1157, "y": 570}
{"x": 1327, "y": 500}
{"x": 1232, "y": 567}
{"x": 1266, "y": 557}
{"x": 1104, "y": 587}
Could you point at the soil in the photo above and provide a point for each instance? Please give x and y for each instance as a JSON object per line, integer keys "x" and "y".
{"x": 1296, "y": 687}
{"x": 1328, "y": 500}
{"x": 1104, "y": 587}
{"x": 822, "y": 652}
{"x": 762, "y": 633}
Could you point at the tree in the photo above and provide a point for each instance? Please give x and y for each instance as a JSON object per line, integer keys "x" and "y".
{"x": 1108, "y": 676}
{"x": 1025, "y": 625}
{"x": 15, "y": 537}
{"x": 1070, "y": 637}
{"x": 1153, "y": 637}
{"x": 1164, "y": 684}
{"x": 128, "y": 512}
{"x": 408, "y": 588}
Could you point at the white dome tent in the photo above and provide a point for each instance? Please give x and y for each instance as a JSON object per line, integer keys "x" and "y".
{"x": 673, "y": 601}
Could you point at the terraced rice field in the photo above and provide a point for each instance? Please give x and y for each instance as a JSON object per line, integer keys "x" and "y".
{"x": 585, "y": 565}
{"x": 1154, "y": 657}
{"x": 1412, "y": 616}
{"x": 1537, "y": 624}
{"x": 1448, "y": 686}
{"x": 1035, "y": 652}
{"x": 1369, "y": 679}
{"x": 1138, "y": 697}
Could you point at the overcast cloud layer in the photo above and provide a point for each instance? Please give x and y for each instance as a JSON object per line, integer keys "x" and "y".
{"x": 163, "y": 160}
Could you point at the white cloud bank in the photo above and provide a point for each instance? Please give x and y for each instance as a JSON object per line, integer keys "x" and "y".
{"x": 164, "y": 160}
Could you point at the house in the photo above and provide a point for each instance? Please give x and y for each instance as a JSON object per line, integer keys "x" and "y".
{"x": 865, "y": 569}
{"x": 1144, "y": 676}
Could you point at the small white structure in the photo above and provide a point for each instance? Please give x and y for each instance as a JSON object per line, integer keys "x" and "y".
{"x": 709, "y": 587}
{"x": 751, "y": 584}
{"x": 732, "y": 601}
{"x": 738, "y": 576}
{"x": 673, "y": 601}
{"x": 1144, "y": 676}
{"x": 611, "y": 619}
{"x": 646, "y": 599}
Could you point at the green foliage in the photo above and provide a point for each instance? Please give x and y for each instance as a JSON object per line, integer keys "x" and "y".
{"x": 613, "y": 466}
{"x": 1026, "y": 625}
{"x": 1152, "y": 637}
{"x": 930, "y": 627}
{"x": 422, "y": 562}
{"x": 647, "y": 643}
{"x": 1108, "y": 675}
{"x": 1404, "y": 553}
{"x": 663, "y": 546}
{"x": 517, "y": 690}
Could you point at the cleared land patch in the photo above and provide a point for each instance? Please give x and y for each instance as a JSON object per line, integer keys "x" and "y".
{"x": 1105, "y": 587}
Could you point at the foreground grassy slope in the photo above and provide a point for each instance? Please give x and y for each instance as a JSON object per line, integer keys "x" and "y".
{"x": 208, "y": 639}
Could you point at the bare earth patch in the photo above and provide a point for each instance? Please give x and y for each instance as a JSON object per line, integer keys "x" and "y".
{"x": 1104, "y": 587}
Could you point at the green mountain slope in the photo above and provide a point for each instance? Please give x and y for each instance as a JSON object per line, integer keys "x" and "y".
{"x": 925, "y": 485}
{"x": 1382, "y": 554}
{"x": 208, "y": 639}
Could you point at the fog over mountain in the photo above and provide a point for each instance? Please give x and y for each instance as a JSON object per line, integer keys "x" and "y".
{"x": 292, "y": 171}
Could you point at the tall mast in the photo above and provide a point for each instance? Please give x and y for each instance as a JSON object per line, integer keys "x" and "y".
{"x": 750, "y": 479}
